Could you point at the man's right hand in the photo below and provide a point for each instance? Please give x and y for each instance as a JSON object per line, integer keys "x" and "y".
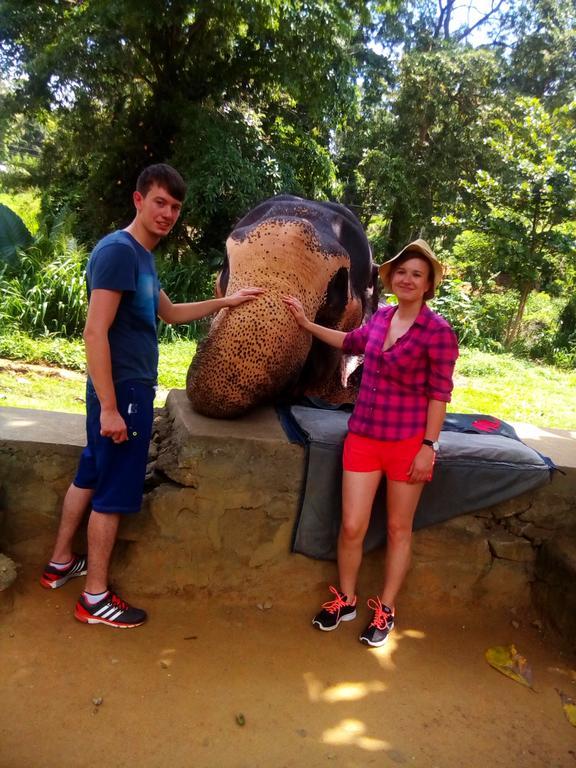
{"x": 112, "y": 425}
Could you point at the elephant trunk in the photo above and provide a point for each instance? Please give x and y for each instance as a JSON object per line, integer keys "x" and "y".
{"x": 255, "y": 352}
{"x": 240, "y": 363}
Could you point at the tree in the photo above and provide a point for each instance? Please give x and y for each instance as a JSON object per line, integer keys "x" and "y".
{"x": 542, "y": 62}
{"x": 425, "y": 24}
{"x": 242, "y": 95}
{"x": 412, "y": 150}
{"x": 526, "y": 200}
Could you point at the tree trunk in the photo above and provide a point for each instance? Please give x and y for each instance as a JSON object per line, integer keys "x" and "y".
{"x": 514, "y": 327}
{"x": 526, "y": 287}
{"x": 399, "y": 231}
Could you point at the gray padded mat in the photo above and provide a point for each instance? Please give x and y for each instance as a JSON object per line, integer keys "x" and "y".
{"x": 472, "y": 471}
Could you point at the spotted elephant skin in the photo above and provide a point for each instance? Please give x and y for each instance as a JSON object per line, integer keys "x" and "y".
{"x": 257, "y": 353}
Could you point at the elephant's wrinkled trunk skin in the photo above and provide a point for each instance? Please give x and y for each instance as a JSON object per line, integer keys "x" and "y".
{"x": 255, "y": 351}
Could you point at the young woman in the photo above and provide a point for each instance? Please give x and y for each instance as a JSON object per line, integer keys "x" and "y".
{"x": 409, "y": 356}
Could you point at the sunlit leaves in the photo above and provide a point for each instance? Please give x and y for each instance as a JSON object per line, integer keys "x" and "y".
{"x": 569, "y": 707}
{"x": 509, "y": 662}
{"x": 527, "y": 193}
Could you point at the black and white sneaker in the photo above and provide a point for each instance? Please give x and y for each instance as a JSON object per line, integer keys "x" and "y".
{"x": 52, "y": 577}
{"x": 335, "y": 611}
{"x": 111, "y": 610}
{"x": 376, "y": 633}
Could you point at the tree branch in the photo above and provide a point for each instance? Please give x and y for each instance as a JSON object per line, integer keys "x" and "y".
{"x": 482, "y": 20}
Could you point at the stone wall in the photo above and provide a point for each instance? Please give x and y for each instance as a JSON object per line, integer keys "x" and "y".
{"x": 221, "y": 503}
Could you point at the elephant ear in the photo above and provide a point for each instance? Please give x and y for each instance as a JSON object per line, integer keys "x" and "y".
{"x": 222, "y": 278}
{"x": 13, "y": 235}
{"x": 373, "y": 289}
{"x": 333, "y": 307}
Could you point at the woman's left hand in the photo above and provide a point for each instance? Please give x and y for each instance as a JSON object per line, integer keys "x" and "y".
{"x": 421, "y": 468}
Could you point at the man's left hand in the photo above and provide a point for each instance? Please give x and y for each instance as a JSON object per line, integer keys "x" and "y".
{"x": 244, "y": 294}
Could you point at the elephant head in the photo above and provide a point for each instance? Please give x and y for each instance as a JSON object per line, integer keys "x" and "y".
{"x": 257, "y": 353}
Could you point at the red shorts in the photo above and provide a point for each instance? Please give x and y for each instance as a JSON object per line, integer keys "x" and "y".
{"x": 391, "y": 457}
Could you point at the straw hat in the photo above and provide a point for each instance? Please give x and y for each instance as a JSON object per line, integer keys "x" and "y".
{"x": 418, "y": 247}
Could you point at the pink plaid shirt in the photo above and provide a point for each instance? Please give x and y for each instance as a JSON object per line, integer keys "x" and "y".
{"x": 397, "y": 385}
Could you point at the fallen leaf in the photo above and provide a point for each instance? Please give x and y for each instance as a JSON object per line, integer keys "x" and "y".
{"x": 507, "y": 660}
{"x": 569, "y": 707}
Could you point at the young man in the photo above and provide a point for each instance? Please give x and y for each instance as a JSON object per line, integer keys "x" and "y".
{"x": 122, "y": 359}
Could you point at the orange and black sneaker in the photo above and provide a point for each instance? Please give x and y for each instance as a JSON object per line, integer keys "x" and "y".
{"x": 334, "y": 611}
{"x": 111, "y": 610}
{"x": 53, "y": 577}
{"x": 376, "y": 633}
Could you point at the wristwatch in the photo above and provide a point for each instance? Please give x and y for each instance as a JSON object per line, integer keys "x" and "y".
{"x": 434, "y": 444}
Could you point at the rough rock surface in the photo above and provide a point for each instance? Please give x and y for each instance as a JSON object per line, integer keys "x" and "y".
{"x": 8, "y": 575}
{"x": 553, "y": 589}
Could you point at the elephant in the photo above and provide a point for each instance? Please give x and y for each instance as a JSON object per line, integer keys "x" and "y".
{"x": 257, "y": 353}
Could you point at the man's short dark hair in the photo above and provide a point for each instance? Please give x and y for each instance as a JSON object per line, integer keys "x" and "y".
{"x": 163, "y": 175}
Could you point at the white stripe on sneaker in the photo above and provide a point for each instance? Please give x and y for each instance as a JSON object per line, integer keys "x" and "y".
{"x": 112, "y": 613}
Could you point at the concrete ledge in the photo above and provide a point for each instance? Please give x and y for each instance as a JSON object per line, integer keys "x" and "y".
{"x": 24, "y": 426}
{"x": 558, "y": 444}
{"x": 39, "y": 452}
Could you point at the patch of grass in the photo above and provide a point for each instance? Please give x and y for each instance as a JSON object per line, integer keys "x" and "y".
{"x": 514, "y": 390}
{"x": 504, "y": 386}
{"x": 29, "y": 386}
{"x": 37, "y": 387}
{"x": 175, "y": 357}
{"x": 46, "y": 350}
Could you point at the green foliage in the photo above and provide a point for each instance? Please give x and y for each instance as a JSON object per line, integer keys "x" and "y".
{"x": 185, "y": 280}
{"x": 387, "y": 106}
{"x": 454, "y": 302}
{"x": 240, "y": 96}
{"x": 237, "y": 164}
{"x": 45, "y": 293}
{"x": 49, "y": 350}
{"x": 473, "y": 257}
{"x": 566, "y": 333}
{"x": 411, "y": 153}
{"x": 523, "y": 204}
{"x": 557, "y": 342}
{"x": 543, "y": 62}
{"x": 482, "y": 319}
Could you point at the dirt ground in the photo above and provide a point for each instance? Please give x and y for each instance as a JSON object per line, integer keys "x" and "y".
{"x": 213, "y": 683}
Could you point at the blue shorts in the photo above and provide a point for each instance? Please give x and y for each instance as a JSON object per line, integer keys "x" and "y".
{"x": 116, "y": 471}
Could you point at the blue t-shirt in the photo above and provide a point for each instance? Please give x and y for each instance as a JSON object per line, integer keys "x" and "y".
{"x": 120, "y": 263}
